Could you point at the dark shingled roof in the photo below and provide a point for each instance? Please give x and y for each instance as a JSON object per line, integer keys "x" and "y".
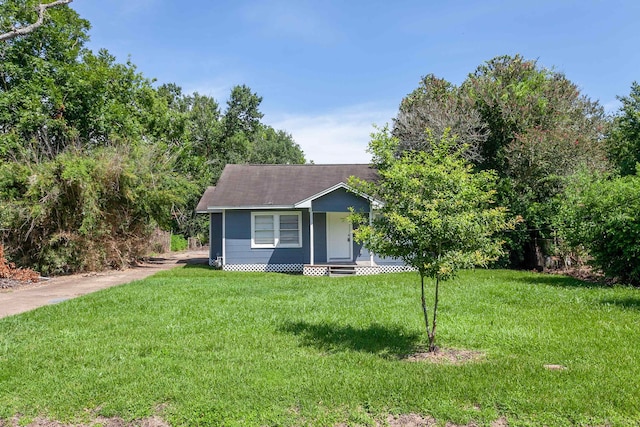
{"x": 277, "y": 185}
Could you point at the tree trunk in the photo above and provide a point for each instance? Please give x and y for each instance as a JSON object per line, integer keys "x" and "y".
{"x": 424, "y": 309}
{"x": 432, "y": 334}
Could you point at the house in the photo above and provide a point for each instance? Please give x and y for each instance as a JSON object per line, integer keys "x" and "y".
{"x": 290, "y": 218}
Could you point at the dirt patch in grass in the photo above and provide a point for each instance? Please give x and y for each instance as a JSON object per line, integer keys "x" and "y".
{"x": 100, "y": 421}
{"x": 447, "y": 355}
{"x": 415, "y": 420}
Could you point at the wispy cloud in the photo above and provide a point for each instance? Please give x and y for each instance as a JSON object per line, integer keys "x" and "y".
{"x": 296, "y": 20}
{"x": 219, "y": 89}
{"x": 339, "y": 136}
{"x": 612, "y": 106}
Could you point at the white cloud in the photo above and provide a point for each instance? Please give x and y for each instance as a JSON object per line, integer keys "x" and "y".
{"x": 217, "y": 89}
{"x": 338, "y": 136}
{"x": 612, "y": 107}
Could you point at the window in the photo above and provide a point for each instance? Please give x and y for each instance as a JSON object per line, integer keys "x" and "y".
{"x": 276, "y": 230}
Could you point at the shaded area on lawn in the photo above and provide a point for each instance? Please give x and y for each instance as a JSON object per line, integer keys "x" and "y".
{"x": 558, "y": 280}
{"x": 376, "y": 339}
{"x": 630, "y": 302}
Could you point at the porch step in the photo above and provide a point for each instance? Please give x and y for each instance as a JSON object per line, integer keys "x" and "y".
{"x": 342, "y": 270}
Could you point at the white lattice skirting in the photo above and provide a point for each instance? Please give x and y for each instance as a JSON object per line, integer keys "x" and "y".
{"x": 395, "y": 268}
{"x": 268, "y": 268}
{"x": 314, "y": 270}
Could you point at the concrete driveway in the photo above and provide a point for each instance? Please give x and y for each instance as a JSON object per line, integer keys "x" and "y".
{"x": 62, "y": 288}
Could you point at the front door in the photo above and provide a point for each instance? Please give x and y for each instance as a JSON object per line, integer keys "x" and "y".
{"x": 339, "y": 247}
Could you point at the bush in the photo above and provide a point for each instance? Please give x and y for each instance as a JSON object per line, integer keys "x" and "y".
{"x": 603, "y": 215}
{"x": 87, "y": 211}
{"x": 178, "y": 243}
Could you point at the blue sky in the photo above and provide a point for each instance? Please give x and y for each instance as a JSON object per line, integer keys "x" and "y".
{"x": 328, "y": 70}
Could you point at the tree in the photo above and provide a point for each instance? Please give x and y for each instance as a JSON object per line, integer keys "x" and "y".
{"x": 624, "y": 138}
{"x": 34, "y": 72}
{"x": 271, "y": 146}
{"x": 437, "y": 105}
{"x": 438, "y": 215}
{"x": 240, "y": 123}
{"x": 21, "y": 31}
{"x": 528, "y": 123}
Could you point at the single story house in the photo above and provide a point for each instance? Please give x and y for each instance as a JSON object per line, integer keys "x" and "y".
{"x": 290, "y": 218}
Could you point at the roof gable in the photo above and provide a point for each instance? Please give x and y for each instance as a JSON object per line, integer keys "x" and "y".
{"x": 278, "y": 186}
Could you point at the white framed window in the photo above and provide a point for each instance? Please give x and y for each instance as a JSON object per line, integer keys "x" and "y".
{"x": 276, "y": 229}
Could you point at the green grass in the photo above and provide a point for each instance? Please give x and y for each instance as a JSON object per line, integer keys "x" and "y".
{"x": 206, "y": 347}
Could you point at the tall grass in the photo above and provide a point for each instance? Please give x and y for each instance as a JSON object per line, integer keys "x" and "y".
{"x": 205, "y": 347}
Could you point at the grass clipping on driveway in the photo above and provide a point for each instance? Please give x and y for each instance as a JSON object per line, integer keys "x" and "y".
{"x": 195, "y": 346}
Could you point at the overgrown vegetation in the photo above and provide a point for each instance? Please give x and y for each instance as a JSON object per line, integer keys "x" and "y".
{"x": 89, "y": 210}
{"x": 602, "y": 214}
{"x": 207, "y": 347}
{"x": 528, "y": 123}
{"x": 94, "y": 157}
{"x": 8, "y": 270}
{"x": 178, "y": 243}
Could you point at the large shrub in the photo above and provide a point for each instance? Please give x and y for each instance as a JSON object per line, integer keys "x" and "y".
{"x": 603, "y": 215}
{"x": 87, "y": 210}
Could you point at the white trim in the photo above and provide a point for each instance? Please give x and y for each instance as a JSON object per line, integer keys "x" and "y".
{"x": 370, "y": 224}
{"x": 252, "y": 207}
{"x": 210, "y": 237}
{"x": 307, "y": 202}
{"x": 350, "y": 257}
{"x": 224, "y": 237}
{"x": 276, "y": 230}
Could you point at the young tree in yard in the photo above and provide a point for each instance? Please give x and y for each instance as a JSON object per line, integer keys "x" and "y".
{"x": 438, "y": 215}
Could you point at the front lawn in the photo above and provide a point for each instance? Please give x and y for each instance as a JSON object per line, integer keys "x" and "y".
{"x": 204, "y": 347}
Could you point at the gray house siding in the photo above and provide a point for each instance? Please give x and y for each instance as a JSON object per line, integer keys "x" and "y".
{"x": 238, "y": 243}
{"x": 340, "y": 200}
{"x": 215, "y": 235}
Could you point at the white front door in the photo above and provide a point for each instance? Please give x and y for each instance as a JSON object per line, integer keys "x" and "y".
{"x": 339, "y": 247}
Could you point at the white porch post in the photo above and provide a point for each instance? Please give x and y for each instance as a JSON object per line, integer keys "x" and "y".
{"x": 370, "y": 223}
{"x": 311, "y": 237}
{"x": 224, "y": 237}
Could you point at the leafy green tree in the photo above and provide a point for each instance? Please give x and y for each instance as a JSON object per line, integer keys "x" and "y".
{"x": 602, "y": 214}
{"x": 438, "y": 215}
{"x": 271, "y": 146}
{"x": 624, "y": 139}
{"x": 536, "y": 129}
{"x": 33, "y": 75}
{"x": 73, "y": 123}
{"x": 240, "y": 123}
{"x": 18, "y": 30}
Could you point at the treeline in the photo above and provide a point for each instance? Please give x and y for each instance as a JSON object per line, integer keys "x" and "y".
{"x": 95, "y": 157}
{"x": 565, "y": 168}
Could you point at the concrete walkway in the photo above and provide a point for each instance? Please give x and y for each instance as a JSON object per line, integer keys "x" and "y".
{"x": 63, "y": 288}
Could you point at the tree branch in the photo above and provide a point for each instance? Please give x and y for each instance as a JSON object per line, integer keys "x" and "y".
{"x": 16, "y": 32}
